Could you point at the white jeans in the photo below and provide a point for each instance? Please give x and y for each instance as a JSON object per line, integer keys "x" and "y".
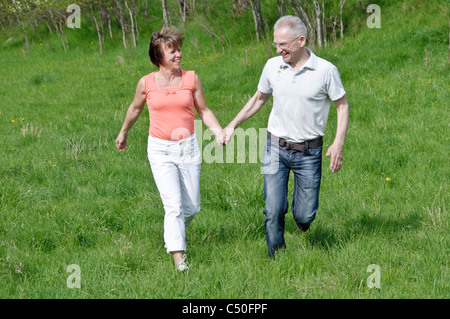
{"x": 176, "y": 170}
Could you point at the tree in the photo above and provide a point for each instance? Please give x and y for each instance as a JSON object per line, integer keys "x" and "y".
{"x": 183, "y": 6}
{"x": 90, "y": 5}
{"x": 280, "y": 6}
{"x": 166, "y": 14}
{"x": 341, "y": 10}
{"x": 301, "y": 11}
{"x": 318, "y": 23}
{"x": 133, "y": 36}
{"x": 259, "y": 25}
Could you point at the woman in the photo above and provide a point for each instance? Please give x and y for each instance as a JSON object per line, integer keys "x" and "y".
{"x": 171, "y": 95}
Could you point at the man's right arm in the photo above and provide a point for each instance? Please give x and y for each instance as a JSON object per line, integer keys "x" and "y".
{"x": 253, "y": 105}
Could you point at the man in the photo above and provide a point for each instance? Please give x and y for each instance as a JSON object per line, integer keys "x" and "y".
{"x": 303, "y": 86}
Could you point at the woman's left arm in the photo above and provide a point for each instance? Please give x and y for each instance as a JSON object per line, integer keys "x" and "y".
{"x": 205, "y": 113}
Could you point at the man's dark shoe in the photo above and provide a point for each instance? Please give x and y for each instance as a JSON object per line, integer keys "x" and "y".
{"x": 302, "y": 227}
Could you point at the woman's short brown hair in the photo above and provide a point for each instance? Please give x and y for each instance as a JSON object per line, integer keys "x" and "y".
{"x": 169, "y": 36}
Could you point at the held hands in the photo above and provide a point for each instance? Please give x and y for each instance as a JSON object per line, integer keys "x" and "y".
{"x": 224, "y": 136}
{"x": 227, "y": 134}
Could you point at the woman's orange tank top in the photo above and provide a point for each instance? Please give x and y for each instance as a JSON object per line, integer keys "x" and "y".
{"x": 171, "y": 110}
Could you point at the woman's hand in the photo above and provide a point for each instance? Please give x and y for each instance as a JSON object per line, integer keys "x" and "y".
{"x": 121, "y": 142}
{"x": 133, "y": 113}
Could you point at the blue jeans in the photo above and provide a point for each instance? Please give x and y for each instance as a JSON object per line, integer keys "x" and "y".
{"x": 307, "y": 168}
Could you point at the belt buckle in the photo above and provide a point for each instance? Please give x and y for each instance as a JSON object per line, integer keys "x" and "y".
{"x": 289, "y": 145}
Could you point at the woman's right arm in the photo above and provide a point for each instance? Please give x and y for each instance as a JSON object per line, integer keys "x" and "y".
{"x": 133, "y": 113}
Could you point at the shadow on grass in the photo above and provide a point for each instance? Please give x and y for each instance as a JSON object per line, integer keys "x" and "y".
{"x": 323, "y": 233}
{"x": 365, "y": 225}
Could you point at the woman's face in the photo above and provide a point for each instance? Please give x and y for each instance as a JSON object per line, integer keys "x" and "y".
{"x": 171, "y": 57}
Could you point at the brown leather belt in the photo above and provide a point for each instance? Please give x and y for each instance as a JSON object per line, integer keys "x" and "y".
{"x": 301, "y": 147}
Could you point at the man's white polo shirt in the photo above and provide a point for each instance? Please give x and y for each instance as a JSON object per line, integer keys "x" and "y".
{"x": 301, "y": 100}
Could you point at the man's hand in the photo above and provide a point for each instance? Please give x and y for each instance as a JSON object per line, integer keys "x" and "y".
{"x": 227, "y": 134}
{"x": 335, "y": 154}
{"x": 335, "y": 150}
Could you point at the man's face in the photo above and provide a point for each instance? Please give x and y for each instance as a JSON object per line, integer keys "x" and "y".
{"x": 288, "y": 44}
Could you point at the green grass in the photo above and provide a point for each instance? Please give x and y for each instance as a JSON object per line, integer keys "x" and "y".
{"x": 67, "y": 196}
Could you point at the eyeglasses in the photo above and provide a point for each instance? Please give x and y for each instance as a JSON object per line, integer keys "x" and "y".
{"x": 284, "y": 45}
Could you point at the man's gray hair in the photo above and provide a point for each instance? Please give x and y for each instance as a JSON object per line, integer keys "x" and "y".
{"x": 294, "y": 23}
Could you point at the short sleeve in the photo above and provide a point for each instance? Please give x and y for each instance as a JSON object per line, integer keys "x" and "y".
{"x": 264, "y": 83}
{"x": 335, "y": 89}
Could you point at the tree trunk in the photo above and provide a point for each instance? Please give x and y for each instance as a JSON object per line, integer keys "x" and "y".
{"x": 61, "y": 30}
{"x": 102, "y": 30}
{"x": 318, "y": 23}
{"x": 239, "y": 6}
{"x": 57, "y": 31}
{"x": 108, "y": 17}
{"x": 341, "y": 10}
{"x": 212, "y": 43}
{"x": 166, "y": 14}
{"x": 302, "y": 13}
{"x": 324, "y": 27}
{"x": 122, "y": 24}
{"x": 333, "y": 34}
{"x": 98, "y": 29}
{"x": 49, "y": 27}
{"x": 133, "y": 37}
{"x": 146, "y": 8}
{"x": 280, "y": 6}
{"x": 137, "y": 29}
{"x": 182, "y": 7}
{"x": 448, "y": 52}
{"x": 27, "y": 45}
{"x": 259, "y": 26}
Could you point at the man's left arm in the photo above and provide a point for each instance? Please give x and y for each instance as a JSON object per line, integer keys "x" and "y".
{"x": 335, "y": 149}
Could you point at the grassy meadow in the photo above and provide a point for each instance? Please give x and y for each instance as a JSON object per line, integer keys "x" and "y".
{"x": 68, "y": 196}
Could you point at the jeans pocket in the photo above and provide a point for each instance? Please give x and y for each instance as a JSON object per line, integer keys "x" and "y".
{"x": 314, "y": 151}
{"x": 271, "y": 159}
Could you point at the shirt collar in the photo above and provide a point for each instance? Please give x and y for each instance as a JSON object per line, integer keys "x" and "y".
{"x": 312, "y": 61}
{"x": 310, "y": 64}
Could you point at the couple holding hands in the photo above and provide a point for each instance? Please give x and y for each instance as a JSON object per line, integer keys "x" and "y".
{"x": 303, "y": 86}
